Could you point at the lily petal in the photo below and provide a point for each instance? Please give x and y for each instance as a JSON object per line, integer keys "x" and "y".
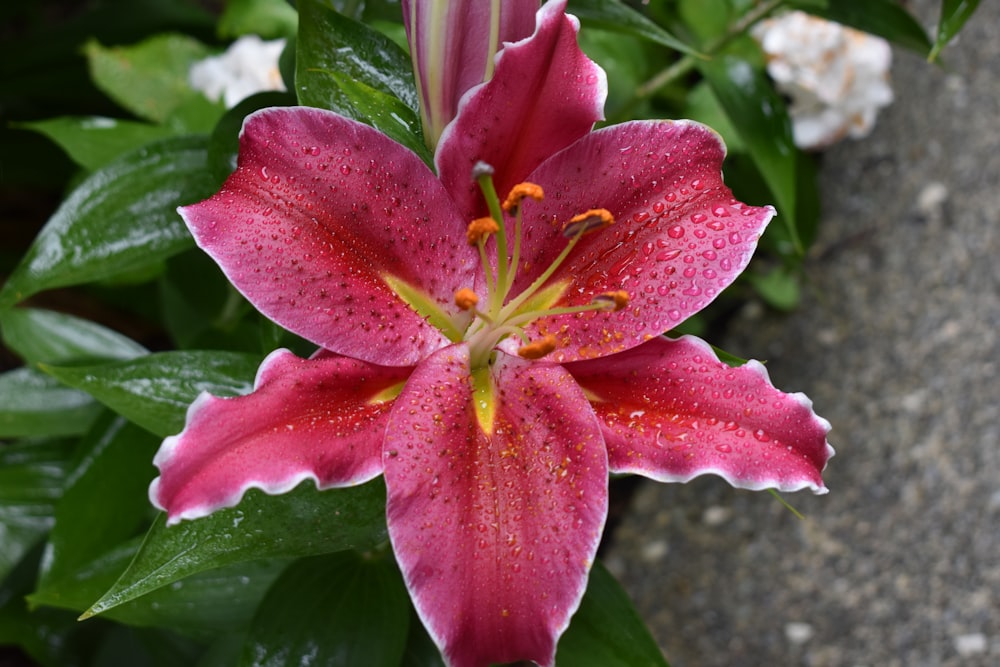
{"x": 679, "y": 238}
{"x": 495, "y": 532}
{"x": 320, "y": 212}
{"x": 544, "y": 95}
{"x": 321, "y": 419}
{"x": 672, "y": 411}
{"x": 453, "y": 44}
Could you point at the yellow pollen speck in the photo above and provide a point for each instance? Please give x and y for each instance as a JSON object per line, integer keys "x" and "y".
{"x": 466, "y": 299}
{"x": 538, "y": 349}
{"x": 519, "y": 192}
{"x": 588, "y": 221}
{"x": 480, "y": 228}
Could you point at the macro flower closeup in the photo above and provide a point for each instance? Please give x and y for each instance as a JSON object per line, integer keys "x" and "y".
{"x": 490, "y": 337}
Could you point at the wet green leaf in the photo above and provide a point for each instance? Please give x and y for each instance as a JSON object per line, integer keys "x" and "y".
{"x": 385, "y": 113}
{"x": 32, "y": 404}
{"x": 39, "y": 336}
{"x": 616, "y": 16}
{"x": 342, "y": 609}
{"x": 303, "y": 522}
{"x": 155, "y": 391}
{"x": 340, "y": 62}
{"x": 120, "y": 218}
{"x": 606, "y": 631}
{"x": 207, "y": 603}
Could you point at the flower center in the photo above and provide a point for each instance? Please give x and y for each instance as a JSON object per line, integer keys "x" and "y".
{"x": 502, "y": 314}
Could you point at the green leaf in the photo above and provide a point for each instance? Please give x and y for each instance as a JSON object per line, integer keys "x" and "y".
{"x": 303, "y": 522}
{"x": 954, "y": 14}
{"x": 341, "y": 62}
{"x": 51, "y": 637}
{"x": 268, "y": 18}
{"x": 150, "y": 78}
{"x": 884, "y": 18}
{"x": 420, "y": 648}
{"x": 203, "y": 605}
{"x": 94, "y": 141}
{"x": 120, "y": 218}
{"x": 385, "y": 113}
{"x": 155, "y": 391}
{"x": 77, "y": 589}
{"x": 779, "y": 287}
{"x": 104, "y": 503}
{"x": 38, "y": 336}
{"x": 606, "y": 631}
{"x": 619, "y": 17}
{"x": 207, "y": 603}
{"x": 31, "y": 481}
{"x": 759, "y": 116}
{"x": 338, "y": 610}
{"x": 32, "y": 403}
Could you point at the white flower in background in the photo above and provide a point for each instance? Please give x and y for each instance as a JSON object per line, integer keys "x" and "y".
{"x": 837, "y": 77}
{"x": 248, "y": 66}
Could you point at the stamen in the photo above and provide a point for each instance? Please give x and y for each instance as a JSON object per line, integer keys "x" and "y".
{"x": 588, "y": 221}
{"x": 480, "y": 228}
{"x": 538, "y": 349}
{"x": 466, "y": 299}
{"x": 519, "y": 192}
{"x": 612, "y": 301}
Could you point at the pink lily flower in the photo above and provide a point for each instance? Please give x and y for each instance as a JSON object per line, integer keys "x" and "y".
{"x": 494, "y": 371}
{"x": 452, "y": 44}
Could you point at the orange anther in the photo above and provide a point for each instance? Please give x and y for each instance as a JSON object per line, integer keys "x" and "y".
{"x": 466, "y": 299}
{"x": 588, "y": 221}
{"x": 519, "y": 192}
{"x": 538, "y": 348}
{"x": 612, "y": 300}
{"x": 480, "y": 228}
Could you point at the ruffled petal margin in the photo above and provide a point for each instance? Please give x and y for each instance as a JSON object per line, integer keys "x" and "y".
{"x": 544, "y": 95}
{"x": 679, "y": 238}
{"x": 495, "y": 533}
{"x": 321, "y": 213}
{"x": 670, "y": 410}
{"x": 322, "y": 419}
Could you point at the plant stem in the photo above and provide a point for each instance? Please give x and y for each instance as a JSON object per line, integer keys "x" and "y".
{"x": 688, "y": 62}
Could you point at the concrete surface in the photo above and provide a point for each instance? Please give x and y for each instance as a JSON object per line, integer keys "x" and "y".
{"x": 897, "y": 344}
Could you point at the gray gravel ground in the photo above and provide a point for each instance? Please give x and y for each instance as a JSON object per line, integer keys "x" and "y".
{"x": 897, "y": 343}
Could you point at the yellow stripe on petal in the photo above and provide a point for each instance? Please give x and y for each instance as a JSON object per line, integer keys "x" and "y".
{"x": 484, "y": 398}
{"x": 387, "y": 394}
{"x": 426, "y": 306}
